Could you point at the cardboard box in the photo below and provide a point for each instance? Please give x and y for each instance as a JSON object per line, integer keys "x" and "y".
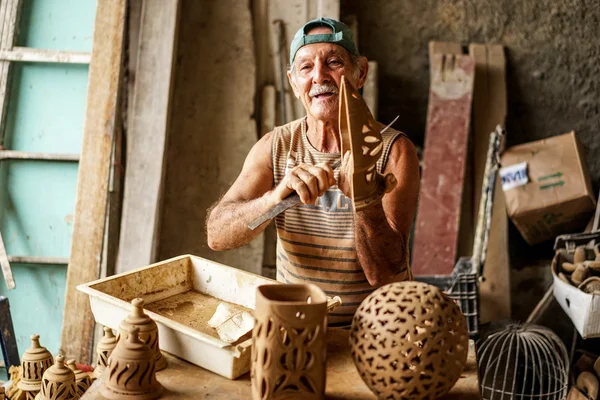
{"x": 547, "y": 187}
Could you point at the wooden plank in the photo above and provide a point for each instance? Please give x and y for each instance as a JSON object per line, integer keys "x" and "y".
{"x": 294, "y": 14}
{"x": 371, "y": 88}
{"x": 444, "y": 48}
{"x": 25, "y": 54}
{"x": 38, "y": 260}
{"x": 267, "y": 118}
{"x": 10, "y": 11}
{"x": 489, "y": 110}
{"x": 467, "y": 217}
{"x": 147, "y": 134}
{"x": 26, "y": 155}
{"x": 9, "y": 280}
{"x": 90, "y": 208}
{"x": 181, "y": 379}
{"x": 444, "y": 163}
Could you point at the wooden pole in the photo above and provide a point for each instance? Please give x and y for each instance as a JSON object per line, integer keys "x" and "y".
{"x": 92, "y": 186}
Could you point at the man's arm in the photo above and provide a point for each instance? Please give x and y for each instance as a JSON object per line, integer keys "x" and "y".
{"x": 246, "y": 199}
{"x": 382, "y": 230}
{"x": 252, "y": 194}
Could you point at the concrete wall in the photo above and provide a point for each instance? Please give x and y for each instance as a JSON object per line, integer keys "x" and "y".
{"x": 552, "y": 50}
{"x": 553, "y": 80}
{"x": 212, "y": 125}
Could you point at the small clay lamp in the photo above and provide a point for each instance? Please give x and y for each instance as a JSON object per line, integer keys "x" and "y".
{"x": 82, "y": 379}
{"x": 104, "y": 349}
{"x": 147, "y": 328}
{"x": 35, "y": 361}
{"x": 58, "y": 382}
{"x": 131, "y": 371}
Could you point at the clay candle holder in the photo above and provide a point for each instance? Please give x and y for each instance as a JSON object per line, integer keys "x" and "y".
{"x": 58, "y": 382}
{"x": 104, "y": 349}
{"x": 147, "y": 328}
{"x": 289, "y": 343}
{"x": 409, "y": 341}
{"x": 35, "y": 361}
{"x": 82, "y": 379}
{"x": 131, "y": 371}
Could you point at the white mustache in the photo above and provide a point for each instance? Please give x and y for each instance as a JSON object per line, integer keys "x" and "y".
{"x": 320, "y": 89}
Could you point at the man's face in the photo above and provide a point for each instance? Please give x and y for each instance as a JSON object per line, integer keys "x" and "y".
{"x": 317, "y": 73}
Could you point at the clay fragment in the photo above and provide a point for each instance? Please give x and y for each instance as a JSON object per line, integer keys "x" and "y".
{"x": 580, "y": 274}
{"x": 579, "y": 255}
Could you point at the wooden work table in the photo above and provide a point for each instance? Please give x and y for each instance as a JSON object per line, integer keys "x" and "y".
{"x": 185, "y": 381}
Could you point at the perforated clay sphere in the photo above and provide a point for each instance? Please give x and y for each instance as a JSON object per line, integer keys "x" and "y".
{"x": 409, "y": 341}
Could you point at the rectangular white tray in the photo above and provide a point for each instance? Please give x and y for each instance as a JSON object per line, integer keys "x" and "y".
{"x": 110, "y": 302}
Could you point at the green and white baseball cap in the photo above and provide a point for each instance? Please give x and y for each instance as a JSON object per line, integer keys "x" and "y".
{"x": 342, "y": 36}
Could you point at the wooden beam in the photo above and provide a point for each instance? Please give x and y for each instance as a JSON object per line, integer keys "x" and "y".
{"x": 9, "y": 280}
{"x": 25, "y": 54}
{"x": 26, "y": 155}
{"x": 101, "y": 117}
{"x": 445, "y": 156}
{"x": 371, "y": 89}
{"x": 293, "y": 14}
{"x": 10, "y": 11}
{"x": 147, "y": 134}
{"x": 489, "y": 110}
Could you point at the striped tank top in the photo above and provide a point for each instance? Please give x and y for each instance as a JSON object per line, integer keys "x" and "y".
{"x": 315, "y": 243}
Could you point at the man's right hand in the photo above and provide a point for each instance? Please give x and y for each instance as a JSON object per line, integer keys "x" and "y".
{"x": 309, "y": 181}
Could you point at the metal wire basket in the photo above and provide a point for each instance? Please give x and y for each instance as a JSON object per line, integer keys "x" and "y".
{"x": 523, "y": 362}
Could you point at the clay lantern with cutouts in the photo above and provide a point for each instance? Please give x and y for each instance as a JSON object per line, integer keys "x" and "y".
{"x": 104, "y": 349}
{"x": 148, "y": 330}
{"x": 35, "y": 361}
{"x": 409, "y": 341}
{"x": 58, "y": 382}
{"x": 82, "y": 379}
{"x": 131, "y": 370}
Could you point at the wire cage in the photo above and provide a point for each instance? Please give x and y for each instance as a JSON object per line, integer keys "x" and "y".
{"x": 523, "y": 362}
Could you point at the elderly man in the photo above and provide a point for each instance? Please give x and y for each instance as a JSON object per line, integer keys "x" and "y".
{"x": 324, "y": 240}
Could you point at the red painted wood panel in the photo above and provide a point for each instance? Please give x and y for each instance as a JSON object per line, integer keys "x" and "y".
{"x": 444, "y": 163}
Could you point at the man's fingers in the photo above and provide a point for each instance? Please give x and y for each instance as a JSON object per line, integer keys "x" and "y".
{"x": 321, "y": 175}
{"x": 297, "y": 184}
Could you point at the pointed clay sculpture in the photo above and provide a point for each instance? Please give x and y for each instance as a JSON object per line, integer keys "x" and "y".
{"x": 288, "y": 342}
{"x": 104, "y": 349}
{"x": 148, "y": 330}
{"x": 58, "y": 382}
{"x": 131, "y": 371}
{"x": 35, "y": 361}
{"x": 82, "y": 379}
{"x": 362, "y": 138}
{"x": 409, "y": 341}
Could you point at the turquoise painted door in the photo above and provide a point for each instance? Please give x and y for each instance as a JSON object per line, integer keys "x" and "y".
{"x": 45, "y": 114}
